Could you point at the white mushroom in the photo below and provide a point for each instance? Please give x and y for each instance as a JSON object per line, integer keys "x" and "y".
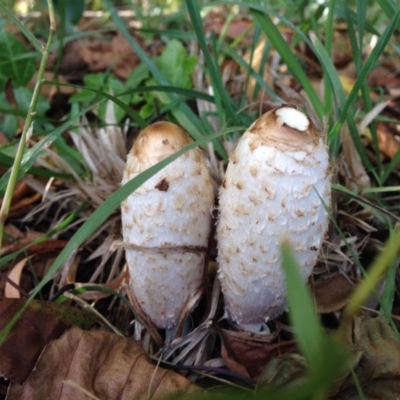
{"x": 166, "y": 223}
{"x": 275, "y": 186}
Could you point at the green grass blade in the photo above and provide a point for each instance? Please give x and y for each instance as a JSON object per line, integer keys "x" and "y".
{"x": 389, "y": 7}
{"x": 31, "y": 154}
{"x": 361, "y": 20}
{"x": 288, "y": 57}
{"x": 330, "y": 71}
{"x": 302, "y": 313}
{"x": 357, "y": 54}
{"x": 215, "y": 75}
{"x": 256, "y": 75}
{"x": 27, "y": 33}
{"x": 368, "y": 66}
{"x": 379, "y": 266}
{"x": 328, "y": 92}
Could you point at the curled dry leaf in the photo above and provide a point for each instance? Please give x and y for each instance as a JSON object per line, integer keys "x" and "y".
{"x": 41, "y": 323}
{"x": 248, "y": 354}
{"x": 375, "y": 360}
{"x": 286, "y": 371}
{"x": 332, "y": 292}
{"x": 10, "y": 291}
{"x": 377, "y": 351}
{"x": 100, "y": 363}
{"x": 389, "y": 143}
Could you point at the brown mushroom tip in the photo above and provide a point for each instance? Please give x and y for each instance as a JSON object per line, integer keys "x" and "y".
{"x": 159, "y": 140}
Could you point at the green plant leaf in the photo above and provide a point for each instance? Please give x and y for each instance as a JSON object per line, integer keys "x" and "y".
{"x": 176, "y": 65}
{"x": 28, "y": 34}
{"x": 23, "y": 95}
{"x": 20, "y": 72}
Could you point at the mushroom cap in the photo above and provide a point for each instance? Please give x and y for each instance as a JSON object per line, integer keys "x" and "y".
{"x": 158, "y": 141}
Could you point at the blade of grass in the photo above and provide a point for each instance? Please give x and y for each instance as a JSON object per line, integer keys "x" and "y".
{"x": 368, "y": 66}
{"x": 367, "y": 286}
{"x": 392, "y": 165}
{"x": 301, "y": 309}
{"x": 62, "y": 225}
{"x": 27, "y": 33}
{"x": 328, "y": 92}
{"x": 281, "y": 46}
{"x": 31, "y": 154}
{"x": 389, "y": 7}
{"x": 316, "y": 346}
{"x": 365, "y": 91}
{"x": 215, "y": 75}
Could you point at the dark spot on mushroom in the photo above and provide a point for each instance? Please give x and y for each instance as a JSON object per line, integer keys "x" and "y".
{"x": 162, "y": 186}
{"x": 313, "y": 248}
{"x": 165, "y": 141}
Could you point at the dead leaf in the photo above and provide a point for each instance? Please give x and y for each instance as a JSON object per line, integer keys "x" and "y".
{"x": 10, "y": 291}
{"x": 286, "y": 372}
{"x": 381, "y": 389}
{"x": 353, "y": 169}
{"x": 216, "y": 22}
{"x": 48, "y": 246}
{"x": 72, "y": 66}
{"x": 332, "y": 292}
{"x": 118, "y": 54}
{"x": 50, "y": 90}
{"x": 248, "y": 354}
{"x": 100, "y": 363}
{"x": 41, "y": 323}
{"x": 388, "y": 144}
{"x": 375, "y": 360}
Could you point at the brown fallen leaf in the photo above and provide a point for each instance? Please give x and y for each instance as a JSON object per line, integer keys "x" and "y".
{"x": 48, "y": 246}
{"x": 217, "y": 22}
{"x": 118, "y": 54}
{"x": 50, "y": 90}
{"x": 378, "y": 358}
{"x": 102, "y": 364}
{"x": 248, "y": 354}
{"x": 375, "y": 360}
{"x": 41, "y": 323}
{"x": 10, "y": 291}
{"x": 389, "y": 144}
{"x": 332, "y": 292}
{"x": 286, "y": 371}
